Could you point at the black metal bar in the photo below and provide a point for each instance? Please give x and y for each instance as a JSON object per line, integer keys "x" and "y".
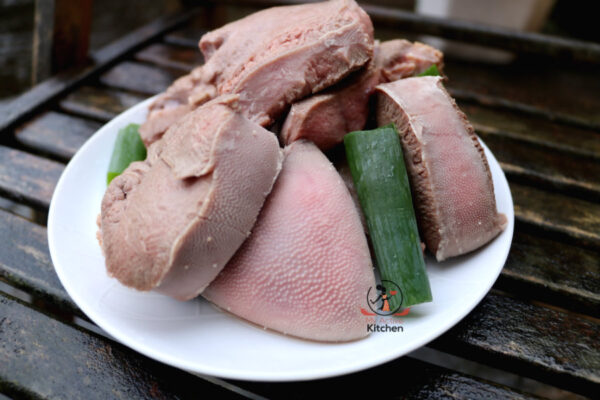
{"x": 34, "y": 99}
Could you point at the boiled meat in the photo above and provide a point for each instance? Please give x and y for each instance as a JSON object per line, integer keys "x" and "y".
{"x": 449, "y": 174}
{"x": 399, "y": 58}
{"x": 305, "y": 270}
{"x": 271, "y": 58}
{"x": 183, "y": 96}
{"x": 326, "y": 117}
{"x": 173, "y": 221}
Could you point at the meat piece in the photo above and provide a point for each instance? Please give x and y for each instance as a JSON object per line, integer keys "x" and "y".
{"x": 449, "y": 174}
{"x": 306, "y": 269}
{"x": 343, "y": 169}
{"x": 183, "y": 96}
{"x": 398, "y": 59}
{"x": 273, "y": 58}
{"x": 326, "y": 117}
{"x": 173, "y": 221}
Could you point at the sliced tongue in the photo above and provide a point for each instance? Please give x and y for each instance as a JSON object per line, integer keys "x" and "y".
{"x": 449, "y": 174}
{"x": 305, "y": 270}
{"x": 270, "y": 58}
{"x": 326, "y": 117}
{"x": 173, "y": 221}
{"x": 399, "y": 58}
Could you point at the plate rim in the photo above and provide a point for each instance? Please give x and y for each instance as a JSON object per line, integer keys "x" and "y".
{"x": 315, "y": 373}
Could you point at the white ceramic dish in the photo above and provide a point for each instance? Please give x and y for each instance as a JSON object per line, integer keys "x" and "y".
{"x": 197, "y": 337}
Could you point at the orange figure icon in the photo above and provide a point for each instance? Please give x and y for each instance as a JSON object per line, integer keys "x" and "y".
{"x": 385, "y": 304}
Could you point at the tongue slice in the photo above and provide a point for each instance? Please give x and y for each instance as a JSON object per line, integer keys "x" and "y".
{"x": 305, "y": 270}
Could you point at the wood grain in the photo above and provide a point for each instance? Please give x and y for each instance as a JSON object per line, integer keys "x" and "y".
{"x": 71, "y": 36}
{"x": 543, "y": 167}
{"x": 32, "y": 101}
{"x": 27, "y": 178}
{"x": 568, "y": 217}
{"x": 412, "y": 379}
{"x": 100, "y": 103}
{"x": 177, "y": 57}
{"x": 525, "y": 338}
{"x": 552, "y": 271}
{"x": 25, "y": 262}
{"x": 496, "y": 334}
{"x": 490, "y": 121}
{"x": 556, "y": 92}
{"x": 44, "y": 358}
{"x": 56, "y": 134}
{"x": 140, "y": 78}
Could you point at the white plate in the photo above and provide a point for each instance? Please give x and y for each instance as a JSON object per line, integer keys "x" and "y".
{"x": 197, "y": 337}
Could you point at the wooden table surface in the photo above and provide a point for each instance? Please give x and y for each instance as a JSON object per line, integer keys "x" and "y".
{"x": 539, "y": 116}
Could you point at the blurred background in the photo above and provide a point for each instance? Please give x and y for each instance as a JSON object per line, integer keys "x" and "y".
{"x": 23, "y": 27}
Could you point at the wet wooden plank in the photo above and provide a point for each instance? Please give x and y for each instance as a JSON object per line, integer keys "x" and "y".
{"x": 71, "y": 36}
{"x": 19, "y": 209}
{"x": 572, "y": 218}
{"x": 556, "y": 169}
{"x": 561, "y": 48}
{"x": 44, "y": 358}
{"x": 140, "y": 78}
{"x": 41, "y": 53}
{"x": 552, "y": 271}
{"x": 528, "y": 339}
{"x": 170, "y": 56}
{"x": 28, "y": 241}
{"x": 529, "y": 129}
{"x": 30, "y": 102}
{"x": 98, "y": 102}
{"x": 188, "y": 35}
{"x": 27, "y": 178}
{"x": 16, "y": 26}
{"x": 561, "y": 93}
{"x": 57, "y": 134}
{"x": 412, "y": 379}
{"x": 25, "y": 261}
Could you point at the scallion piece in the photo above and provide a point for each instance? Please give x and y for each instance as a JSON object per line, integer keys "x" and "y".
{"x": 377, "y": 165}
{"x": 431, "y": 71}
{"x": 128, "y": 148}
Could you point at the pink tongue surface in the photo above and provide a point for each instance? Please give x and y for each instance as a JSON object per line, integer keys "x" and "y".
{"x": 305, "y": 270}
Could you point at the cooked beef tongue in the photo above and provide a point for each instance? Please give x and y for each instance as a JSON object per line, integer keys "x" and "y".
{"x": 399, "y": 58}
{"x": 271, "y": 58}
{"x": 326, "y": 117}
{"x": 305, "y": 270}
{"x": 449, "y": 174}
{"x": 173, "y": 221}
{"x": 183, "y": 96}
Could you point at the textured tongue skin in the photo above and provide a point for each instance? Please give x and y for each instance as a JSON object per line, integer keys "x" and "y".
{"x": 305, "y": 270}
{"x": 326, "y": 117}
{"x": 450, "y": 178}
{"x": 173, "y": 221}
{"x": 271, "y": 59}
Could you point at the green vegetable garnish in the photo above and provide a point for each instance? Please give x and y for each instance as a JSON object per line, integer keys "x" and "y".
{"x": 128, "y": 148}
{"x": 377, "y": 165}
{"x": 431, "y": 71}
